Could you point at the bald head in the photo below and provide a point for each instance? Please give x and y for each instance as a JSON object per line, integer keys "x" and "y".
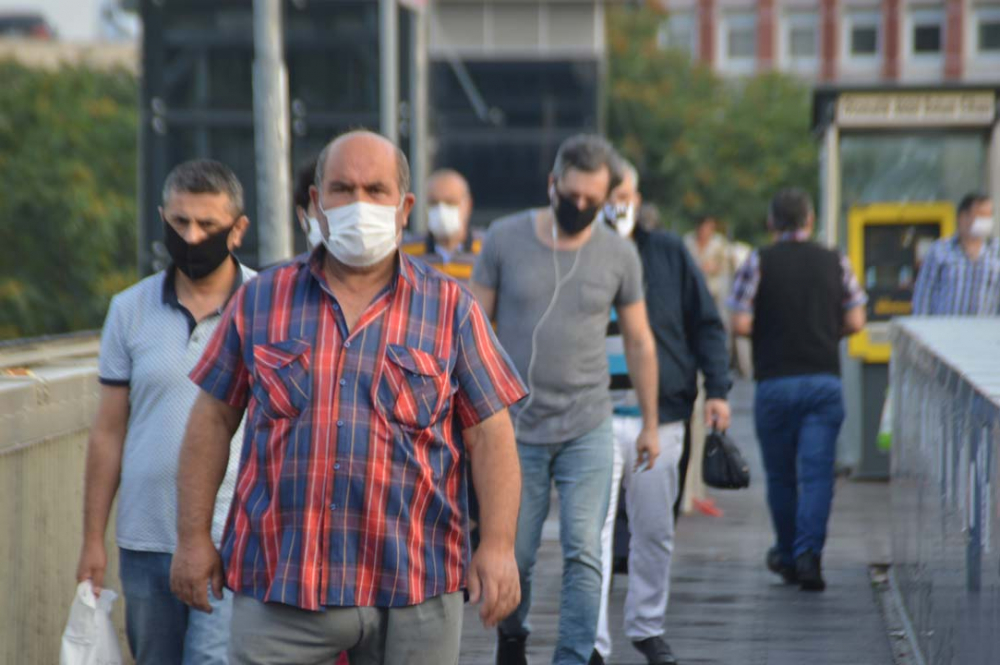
{"x": 362, "y": 167}
{"x": 356, "y": 143}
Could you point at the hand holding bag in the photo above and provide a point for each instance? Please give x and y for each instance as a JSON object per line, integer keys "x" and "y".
{"x": 723, "y": 466}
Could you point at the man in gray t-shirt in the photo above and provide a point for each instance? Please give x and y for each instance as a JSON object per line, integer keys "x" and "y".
{"x": 549, "y": 278}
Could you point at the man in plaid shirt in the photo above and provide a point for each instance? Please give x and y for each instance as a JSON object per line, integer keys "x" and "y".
{"x": 961, "y": 274}
{"x": 367, "y": 378}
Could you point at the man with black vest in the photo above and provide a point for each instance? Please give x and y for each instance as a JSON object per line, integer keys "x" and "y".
{"x": 796, "y": 300}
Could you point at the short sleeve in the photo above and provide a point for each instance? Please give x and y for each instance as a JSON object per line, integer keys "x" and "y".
{"x": 487, "y": 379}
{"x": 486, "y": 270}
{"x": 854, "y": 295}
{"x": 630, "y": 291}
{"x": 115, "y": 361}
{"x": 745, "y": 284}
{"x": 221, "y": 371}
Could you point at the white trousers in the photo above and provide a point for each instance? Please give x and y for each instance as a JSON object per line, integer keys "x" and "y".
{"x": 649, "y": 501}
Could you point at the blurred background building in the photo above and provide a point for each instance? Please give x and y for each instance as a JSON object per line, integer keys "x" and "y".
{"x": 841, "y": 41}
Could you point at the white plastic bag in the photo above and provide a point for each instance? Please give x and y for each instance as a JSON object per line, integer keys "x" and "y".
{"x": 90, "y": 637}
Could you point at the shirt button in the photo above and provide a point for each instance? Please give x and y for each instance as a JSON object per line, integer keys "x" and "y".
{"x": 340, "y": 423}
{"x": 347, "y": 344}
{"x": 343, "y": 382}
{"x": 333, "y": 506}
{"x": 336, "y": 465}
{"x": 336, "y": 306}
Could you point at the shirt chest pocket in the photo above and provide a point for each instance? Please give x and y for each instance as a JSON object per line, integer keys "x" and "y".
{"x": 282, "y": 384}
{"x": 414, "y": 387}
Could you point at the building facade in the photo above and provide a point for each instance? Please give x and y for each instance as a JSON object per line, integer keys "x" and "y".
{"x": 842, "y": 41}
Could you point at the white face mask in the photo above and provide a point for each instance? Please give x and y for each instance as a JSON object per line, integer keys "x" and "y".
{"x": 315, "y": 235}
{"x": 444, "y": 221}
{"x": 361, "y": 234}
{"x": 981, "y": 227}
{"x": 621, "y": 216}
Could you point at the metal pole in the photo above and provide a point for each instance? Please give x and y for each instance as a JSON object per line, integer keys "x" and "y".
{"x": 419, "y": 110}
{"x": 271, "y": 140}
{"x": 388, "y": 44}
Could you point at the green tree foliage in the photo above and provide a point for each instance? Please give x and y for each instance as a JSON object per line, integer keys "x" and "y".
{"x": 704, "y": 145}
{"x": 68, "y": 147}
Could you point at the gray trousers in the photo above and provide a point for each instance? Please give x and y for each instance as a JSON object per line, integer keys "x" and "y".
{"x": 276, "y": 634}
{"x": 649, "y": 501}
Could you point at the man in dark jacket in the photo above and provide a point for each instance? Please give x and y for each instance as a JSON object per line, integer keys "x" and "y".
{"x": 689, "y": 337}
{"x": 796, "y": 300}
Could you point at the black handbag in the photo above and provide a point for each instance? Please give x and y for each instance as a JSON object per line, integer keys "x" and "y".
{"x": 723, "y": 466}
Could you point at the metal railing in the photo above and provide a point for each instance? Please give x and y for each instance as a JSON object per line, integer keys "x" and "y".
{"x": 945, "y": 385}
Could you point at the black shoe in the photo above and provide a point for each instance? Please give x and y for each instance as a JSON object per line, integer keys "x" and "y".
{"x": 777, "y": 566}
{"x": 510, "y": 650}
{"x": 596, "y": 658}
{"x": 656, "y": 651}
{"x": 809, "y": 570}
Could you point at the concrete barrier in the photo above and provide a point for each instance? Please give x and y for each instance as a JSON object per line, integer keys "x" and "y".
{"x": 945, "y": 382}
{"x": 45, "y": 417}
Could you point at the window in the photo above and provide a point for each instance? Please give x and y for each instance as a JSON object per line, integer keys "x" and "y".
{"x": 988, "y": 31}
{"x": 800, "y": 39}
{"x": 679, "y": 32}
{"x": 738, "y": 46}
{"x": 741, "y": 42}
{"x": 802, "y": 42}
{"x": 926, "y": 33}
{"x": 862, "y": 40}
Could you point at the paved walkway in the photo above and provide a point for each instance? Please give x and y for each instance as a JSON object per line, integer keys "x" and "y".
{"x": 725, "y": 608}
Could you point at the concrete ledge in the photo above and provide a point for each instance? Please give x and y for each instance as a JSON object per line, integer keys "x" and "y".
{"x": 49, "y": 401}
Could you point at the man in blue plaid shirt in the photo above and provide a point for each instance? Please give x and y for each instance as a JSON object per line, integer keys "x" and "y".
{"x": 961, "y": 274}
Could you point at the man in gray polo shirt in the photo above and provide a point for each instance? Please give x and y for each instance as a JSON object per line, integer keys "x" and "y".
{"x": 154, "y": 334}
{"x": 549, "y": 278}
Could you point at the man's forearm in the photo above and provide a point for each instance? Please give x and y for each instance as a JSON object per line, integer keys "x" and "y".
{"x": 640, "y": 355}
{"x": 101, "y": 480}
{"x": 496, "y": 474}
{"x": 202, "y": 466}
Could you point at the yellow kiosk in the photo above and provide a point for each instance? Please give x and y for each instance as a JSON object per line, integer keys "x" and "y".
{"x": 887, "y": 243}
{"x": 894, "y": 162}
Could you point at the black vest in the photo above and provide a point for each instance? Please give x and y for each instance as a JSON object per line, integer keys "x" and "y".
{"x": 798, "y": 311}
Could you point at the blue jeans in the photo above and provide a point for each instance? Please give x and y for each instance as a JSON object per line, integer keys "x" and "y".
{"x": 162, "y": 629}
{"x": 581, "y": 469}
{"x": 798, "y": 419}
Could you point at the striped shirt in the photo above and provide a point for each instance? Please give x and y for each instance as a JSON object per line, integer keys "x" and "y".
{"x": 623, "y": 396}
{"x": 952, "y": 284}
{"x": 747, "y": 280}
{"x": 351, "y": 488}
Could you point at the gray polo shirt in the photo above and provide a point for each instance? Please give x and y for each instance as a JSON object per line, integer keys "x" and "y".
{"x": 149, "y": 343}
{"x": 569, "y": 379}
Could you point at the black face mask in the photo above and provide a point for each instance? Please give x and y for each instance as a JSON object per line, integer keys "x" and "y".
{"x": 571, "y": 219}
{"x": 197, "y": 261}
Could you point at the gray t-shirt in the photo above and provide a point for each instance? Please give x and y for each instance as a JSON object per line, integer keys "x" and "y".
{"x": 569, "y": 379}
{"x": 149, "y": 344}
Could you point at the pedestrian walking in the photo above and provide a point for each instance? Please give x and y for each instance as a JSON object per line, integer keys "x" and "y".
{"x": 549, "y": 278}
{"x": 960, "y": 275}
{"x": 796, "y": 300}
{"x": 690, "y": 338}
{"x": 154, "y": 333}
{"x": 450, "y": 246}
{"x": 368, "y": 379}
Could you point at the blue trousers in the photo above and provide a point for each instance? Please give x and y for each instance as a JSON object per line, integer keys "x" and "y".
{"x": 798, "y": 419}
{"x": 581, "y": 470}
{"x": 161, "y": 630}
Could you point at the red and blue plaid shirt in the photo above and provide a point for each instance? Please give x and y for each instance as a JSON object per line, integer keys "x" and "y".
{"x": 352, "y": 487}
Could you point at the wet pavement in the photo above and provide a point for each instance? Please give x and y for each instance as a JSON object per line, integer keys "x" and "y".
{"x": 725, "y": 607}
